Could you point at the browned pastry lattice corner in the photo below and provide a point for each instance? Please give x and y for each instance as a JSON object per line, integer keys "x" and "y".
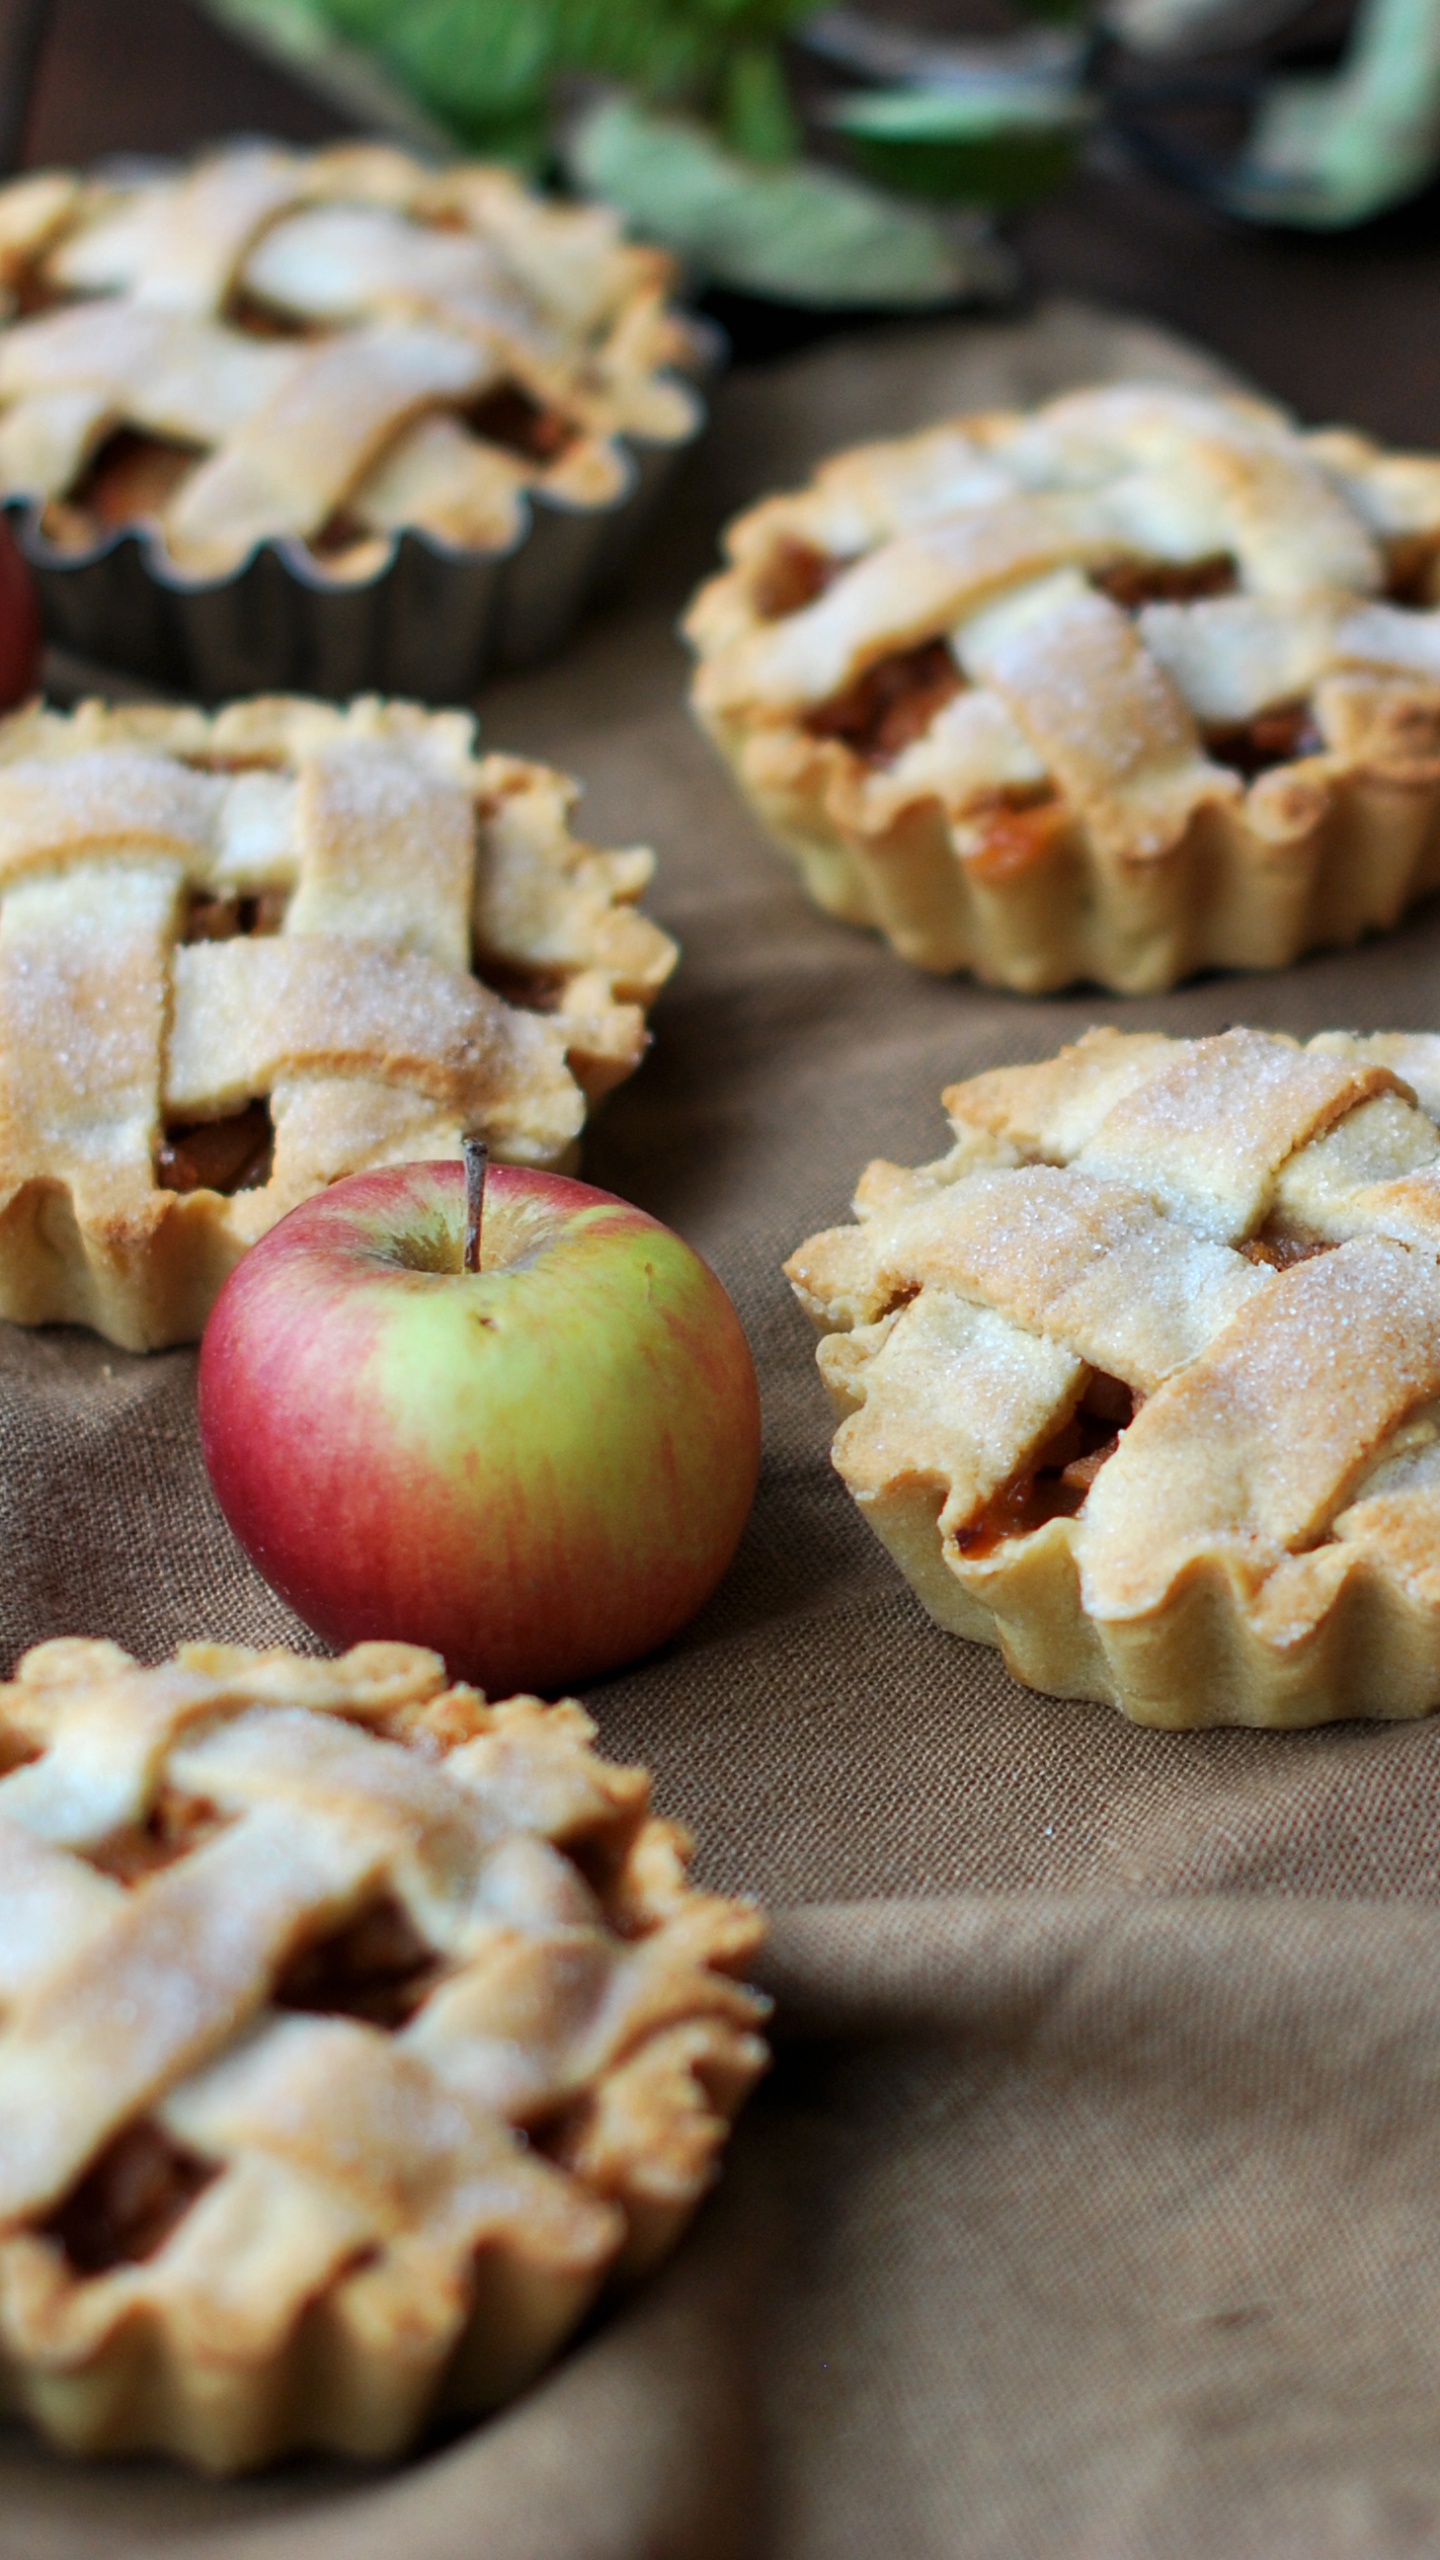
{"x": 242, "y": 956}
{"x": 353, "y": 2034}
{"x": 1141, "y": 1382}
{"x": 1141, "y": 683}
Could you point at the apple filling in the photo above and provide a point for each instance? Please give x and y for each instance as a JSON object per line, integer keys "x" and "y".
{"x": 1134, "y": 581}
{"x": 892, "y": 704}
{"x": 218, "y": 1155}
{"x": 176, "y": 1825}
{"x": 130, "y": 478}
{"x": 129, "y": 2201}
{"x": 511, "y": 417}
{"x": 791, "y": 576}
{"x": 221, "y": 919}
{"x": 1277, "y": 735}
{"x": 1008, "y": 832}
{"x": 1059, "y": 1477}
{"x": 261, "y": 320}
{"x": 378, "y": 1967}
{"x": 1281, "y": 1253}
{"x": 533, "y": 990}
{"x": 1412, "y": 569}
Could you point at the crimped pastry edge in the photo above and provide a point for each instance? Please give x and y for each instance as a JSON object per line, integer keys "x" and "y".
{"x": 1363, "y": 845}
{"x": 358, "y": 2374}
{"x": 150, "y": 1290}
{"x": 1193, "y": 1662}
{"x": 1191, "y": 1653}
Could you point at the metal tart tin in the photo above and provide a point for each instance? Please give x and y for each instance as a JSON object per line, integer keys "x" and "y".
{"x": 429, "y": 622}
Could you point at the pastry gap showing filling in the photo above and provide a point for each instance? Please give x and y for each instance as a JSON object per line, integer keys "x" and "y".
{"x": 1412, "y": 568}
{"x": 535, "y": 990}
{"x": 130, "y": 476}
{"x": 129, "y": 2201}
{"x": 1007, "y": 831}
{"x": 221, "y": 918}
{"x": 891, "y": 705}
{"x": 260, "y": 319}
{"x": 509, "y": 415}
{"x": 176, "y": 1825}
{"x": 236, "y": 1154}
{"x": 1135, "y": 580}
{"x": 1279, "y": 734}
{"x": 1281, "y": 1252}
{"x": 791, "y": 576}
{"x": 339, "y": 533}
{"x": 377, "y": 1967}
{"x": 1059, "y": 1477}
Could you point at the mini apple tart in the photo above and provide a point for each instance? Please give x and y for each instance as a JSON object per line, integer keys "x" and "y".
{"x": 353, "y": 2035}
{"x": 242, "y": 956}
{"x": 1141, "y": 1382}
{"x": 1141, "y": 683}
{"x": 328, "y": 417}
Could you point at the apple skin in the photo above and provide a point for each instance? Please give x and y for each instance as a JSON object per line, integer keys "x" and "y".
{"x": 540, "y": 1469}
{"x": 19, "y": 623}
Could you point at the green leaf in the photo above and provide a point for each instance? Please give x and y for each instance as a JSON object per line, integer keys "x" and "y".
{"x": 756, "y": 117}
{"x": 801, "y": 234}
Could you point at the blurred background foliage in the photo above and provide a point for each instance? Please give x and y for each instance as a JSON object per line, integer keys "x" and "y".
{"x": 835, "y": 158}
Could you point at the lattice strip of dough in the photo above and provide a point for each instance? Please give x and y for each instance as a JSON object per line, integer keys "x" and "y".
{"x": 1092, "y": 1264}
{"x": 84, "y": 971}
{"x": 947, "y": 1394}
{"x": 329, "y": 2140}
{"x": 1268, "y": 501}
{"x": 1282, "y": 1468}
{"x": 289, "y": 463}
{"x": 1206, "y": 1125}
{"x": 1344, "y": 1347}
{"x": 920, "y": 582}
{"x": 177, "y": 245}
{"x": 359, "y": 1021}
{"x": 1102, "y": 715}
{"x": 386, "y": 852}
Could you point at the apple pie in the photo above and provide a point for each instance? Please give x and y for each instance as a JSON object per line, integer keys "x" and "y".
{"x": 1140, "y": 683}
{"x": 1141, "y": 1381}
{"x": 324, "y": 348}
{"x": 354, "y": 2034}
{"x": 241, "y": 956}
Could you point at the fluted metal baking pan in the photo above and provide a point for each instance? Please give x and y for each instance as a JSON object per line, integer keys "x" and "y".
{"x": 430, "y": 622}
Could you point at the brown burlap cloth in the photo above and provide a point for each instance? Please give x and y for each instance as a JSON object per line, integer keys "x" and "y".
{"x": 1094, "y": 2205}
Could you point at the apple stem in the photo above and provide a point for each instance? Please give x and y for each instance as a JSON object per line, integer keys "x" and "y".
{"x": 477, "y": 1165}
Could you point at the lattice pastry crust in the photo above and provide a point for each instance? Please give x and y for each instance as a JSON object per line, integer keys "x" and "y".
{"x": 1142, "y": 1380}
{"x": 1141, "y": 683}
{"x": 352, "y": 2033}
{"x": 242, "y": 956}
{"x": 325, "y": 346}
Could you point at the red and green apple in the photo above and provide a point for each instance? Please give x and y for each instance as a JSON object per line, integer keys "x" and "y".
{"x": 540, "y": 1466}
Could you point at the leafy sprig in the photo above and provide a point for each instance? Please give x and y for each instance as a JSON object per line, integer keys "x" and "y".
{"x": 488, "y": 68}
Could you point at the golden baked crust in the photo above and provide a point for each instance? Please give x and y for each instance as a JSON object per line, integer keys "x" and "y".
{"x": 352, "y": 2033}
{"x": 323, "y": 346}
{"x": 1142, "y": 1380}
{"x": 1142, "y": 682}
{"x": 241, "y": 956}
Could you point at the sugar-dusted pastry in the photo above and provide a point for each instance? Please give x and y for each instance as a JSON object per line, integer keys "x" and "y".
{"x": 1140, "y": 683}
{"x": 326, "y": 347}
{"x": 242, "y": 956}
{"x": 353, "y": 2034}
{"x": 1141, "y": 1382}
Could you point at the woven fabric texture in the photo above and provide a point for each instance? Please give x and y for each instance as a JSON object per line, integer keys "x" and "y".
{"x": 1093, "y": 2208}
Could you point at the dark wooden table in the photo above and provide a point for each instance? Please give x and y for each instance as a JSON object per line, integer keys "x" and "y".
{"x": 1345, "y": 328}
